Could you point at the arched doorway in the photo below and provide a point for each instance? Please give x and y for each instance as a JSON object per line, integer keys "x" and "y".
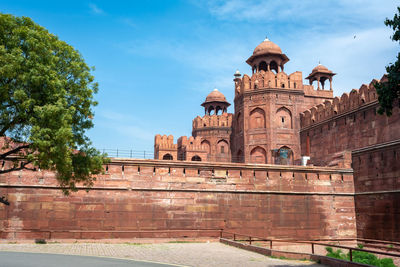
{"x": 167, "y": 157}
{"x": 196, "y": 158}
{"x": 283, "y": 156}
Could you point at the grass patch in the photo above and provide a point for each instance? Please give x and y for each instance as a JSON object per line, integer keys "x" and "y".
{"x": 360, "y": 257}
{"x": 40, "y": 241}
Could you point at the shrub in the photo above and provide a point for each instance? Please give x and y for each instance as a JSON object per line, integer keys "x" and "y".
{"x": 360, "y": 257}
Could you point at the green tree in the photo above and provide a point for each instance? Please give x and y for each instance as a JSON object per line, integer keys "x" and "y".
{"x": 389, "y": 90}
{"x": 46, "y": 100}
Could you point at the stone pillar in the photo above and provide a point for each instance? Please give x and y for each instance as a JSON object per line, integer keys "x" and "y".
{"x": 268, "y": 67}
{"x": 330, "y": 82}
{"x": 318, "y": 83}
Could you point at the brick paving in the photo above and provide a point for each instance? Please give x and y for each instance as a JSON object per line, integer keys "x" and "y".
{"x": 186, "y": 254}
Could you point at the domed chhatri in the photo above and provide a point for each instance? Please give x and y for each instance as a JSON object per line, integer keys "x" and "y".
{"x": 267, "y": 56}
{"x": 267, "y": 47}
{"x": 320, "y": 74}
{"x": 215, "y": 96}
{"x": 321, "y": 68}
{"x": 215, "y": 102}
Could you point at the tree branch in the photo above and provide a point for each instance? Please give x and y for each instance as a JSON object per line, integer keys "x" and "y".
{"x": 15, "y": 150}
{"x": 21, "y": 167}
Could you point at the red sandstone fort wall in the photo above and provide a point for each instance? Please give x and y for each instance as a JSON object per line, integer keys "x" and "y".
{"x": 352, "y": 124}
{"x": 348, "y": 123}
{"x": 377, "y": 185}
{"x": 274, "y": 201}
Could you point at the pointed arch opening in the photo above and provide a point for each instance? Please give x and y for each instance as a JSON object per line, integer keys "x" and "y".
{"x": 263, "y": 66}
{"x": 168, "y": 157}
{"x": 222, "y": 147}
{"x": 210, "y": 110}
{"x": 274, "y": 67}
{"x": 206, "y": 146}
{"x": 258, "y": 155}
{"x": 283, "y": 156}
{"x": 257, "y": 118}
{"x": 196, "y": 158}
{"x": 283, "y": 118}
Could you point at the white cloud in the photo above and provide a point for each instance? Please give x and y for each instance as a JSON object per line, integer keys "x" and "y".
{"x": 312, "y": 10}
{"x": 356, "y": 60}
{"x": 95, "y": 9}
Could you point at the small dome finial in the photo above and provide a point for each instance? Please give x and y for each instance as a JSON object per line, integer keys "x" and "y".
{"x": 215, "y": 89}
{"x": 266, "y": 39}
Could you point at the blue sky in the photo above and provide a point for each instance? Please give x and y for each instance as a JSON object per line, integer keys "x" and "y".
{"x": 156, "y": 61}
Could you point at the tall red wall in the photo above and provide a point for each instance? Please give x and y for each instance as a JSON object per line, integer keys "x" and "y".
{"x": 274, "y": 201}
{"x": 352, "y": 124}
{"x": 377, "y": 185}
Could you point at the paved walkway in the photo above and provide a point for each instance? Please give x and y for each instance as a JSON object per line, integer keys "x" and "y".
{"x": 186, "y": 254}
{"x": 26, "y": 259}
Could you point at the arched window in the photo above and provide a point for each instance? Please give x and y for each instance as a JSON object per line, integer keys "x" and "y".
{"x": 273, "y": 66}
{"x": 218, "y": 110}
{"x": 206, "y": 146}
{"x": 222, "y": 147}
{"x": 258, "y": 155}
{"x": 257, "y": 118}
{"x": 167, "y": 157}
{"x": 263, "y": 66}
{"x": 196, "y": 158}
{"x": 210, "y": 110}
{"x": 283, "y": 118}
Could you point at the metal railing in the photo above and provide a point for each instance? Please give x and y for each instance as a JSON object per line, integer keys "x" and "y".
{"x": 127, "y": 153}
{"x": 313, "y": 243}
{"x": 147, "y": 154}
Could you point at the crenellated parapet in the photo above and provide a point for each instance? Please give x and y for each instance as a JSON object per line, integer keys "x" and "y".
{"x": 164, "y": 141}
{"x": 268, "y": 79}
{"x": 192, "y": 149}
{"x": 164, "y": 146}
{"x": 347, "y": 102}
{"x": 207, "y": 121}
{"x": 190, "y": 143}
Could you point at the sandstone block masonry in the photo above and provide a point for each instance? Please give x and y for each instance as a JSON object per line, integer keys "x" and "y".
{"x": 144, "y": 195}
{"x": 350, "y": 127}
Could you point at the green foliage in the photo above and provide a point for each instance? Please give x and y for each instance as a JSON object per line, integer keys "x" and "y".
{"x": 46, "y": 100}
{"x": 360, "y": 257}
{"x": 389, "y": 91}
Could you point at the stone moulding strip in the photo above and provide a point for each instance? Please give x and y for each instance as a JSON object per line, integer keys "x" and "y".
{"x": 378, "y": 192}
{"x": 376, "y": 147}
{"x": 185, "y": 190}
{"x": 273, "y": 90}
{"x": 235, "y": 166}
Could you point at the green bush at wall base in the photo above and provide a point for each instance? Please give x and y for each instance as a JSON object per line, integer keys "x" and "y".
{"x": 360, "y": 257}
